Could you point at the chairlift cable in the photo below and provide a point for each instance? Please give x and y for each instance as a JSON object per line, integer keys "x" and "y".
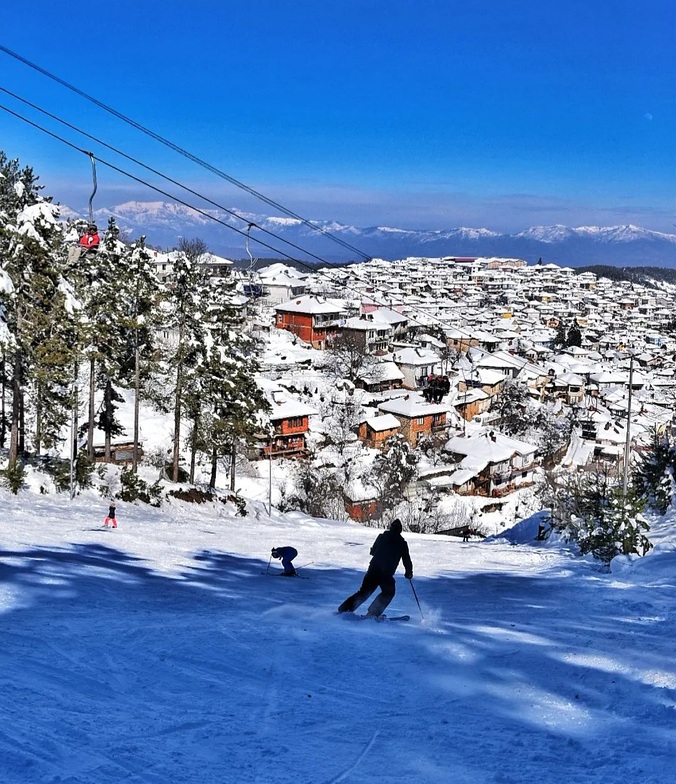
{"x": 205, "y": 214}
{"x": 141, "y": 181}
{"x": 185, "y": 153}
{"x": 160, "y": 174}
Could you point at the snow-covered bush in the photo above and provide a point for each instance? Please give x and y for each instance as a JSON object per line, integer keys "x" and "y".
{"x": 654, "y": 475}
{"x": 604, "y": 520}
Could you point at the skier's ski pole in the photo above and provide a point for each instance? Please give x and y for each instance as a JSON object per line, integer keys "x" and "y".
{"x": 267, "y": 571}
{"x": 309, "y": 563}
{"x": 416, "y": 598}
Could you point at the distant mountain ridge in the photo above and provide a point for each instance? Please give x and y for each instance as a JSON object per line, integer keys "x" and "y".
{"x": 164, "y": 222}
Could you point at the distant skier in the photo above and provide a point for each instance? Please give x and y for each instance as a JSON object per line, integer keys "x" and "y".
{"x": 111, "y": 516}
{"x": 388, "y": 549}
{"x": 286, "y": 554}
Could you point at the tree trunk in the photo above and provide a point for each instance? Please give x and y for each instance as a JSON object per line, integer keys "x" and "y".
{"x": 73, "y": 431}
{"x": 233, "y": 456}
{"x": 177, "y": 424}
{"x": 16, "y": 408}
{"x": 137, "y": 400}
{"x": 90, "y": 425}
{"x": 108, "y": 416}
{"x": 38, "y": 419}
{"x": 22, "y": 418}
{"x": 193, "y": 449}
{"x": 214, "y": 468}
{"x": 3, "y": 415}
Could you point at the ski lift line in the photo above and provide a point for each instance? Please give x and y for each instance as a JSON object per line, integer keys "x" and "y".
{"x": 159, "y": 190}
{"x": 185, "y": 153}
{"x": 159, "y": 174}
{"x": 73, "y": 146}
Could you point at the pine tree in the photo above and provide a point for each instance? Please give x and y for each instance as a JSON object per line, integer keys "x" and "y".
{"x": 394, "y": 468}
{"x": 607, "y": 522}
{"x": 654, "y": 475}
{"x": 186, "y": 300}
{"x": 561, "y": 338}
{"x": 574, "y": 336}
{"x": 234, "y": 401}
{"x": 106, "y": 337}
{"x": 515, "y": 407}
{"x": 39, "y": 325}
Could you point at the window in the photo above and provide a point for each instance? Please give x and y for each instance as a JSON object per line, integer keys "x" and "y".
{"x": 420, "y": 421}
{"x": 295, "y": 422}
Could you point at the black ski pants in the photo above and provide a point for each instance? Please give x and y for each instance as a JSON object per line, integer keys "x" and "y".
{"x": 372, "y": 579}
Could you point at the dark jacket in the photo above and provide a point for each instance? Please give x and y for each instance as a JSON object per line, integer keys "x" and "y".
{"x": 388, "y": 549}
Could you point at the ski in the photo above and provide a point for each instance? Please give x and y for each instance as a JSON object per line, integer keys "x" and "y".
{"x": 378, "y": 619}
{"x": 281, "y": 574}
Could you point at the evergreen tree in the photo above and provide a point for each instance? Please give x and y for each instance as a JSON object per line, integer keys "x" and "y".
{"x": 106, "y": 336}
{"x": 574, "y": 337}
{"x": 394, "y": 468}
{"x": 39, "y": 327}
{"x": 231, "y": 395}
{"x": 654, "y": 475}
{"x": 561, "y": 337}
{"x": 604, "y": 521}
{"x": 141, "y": 319}
{"x": 515, "y": 407}
{"x": 186, "y": 300}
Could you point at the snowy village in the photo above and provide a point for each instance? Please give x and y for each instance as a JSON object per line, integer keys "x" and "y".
{"x": 174, "y": 422}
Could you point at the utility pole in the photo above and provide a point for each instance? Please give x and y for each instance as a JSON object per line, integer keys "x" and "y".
{"x": 270, "y": 480}
{"x": 627, "y": 443}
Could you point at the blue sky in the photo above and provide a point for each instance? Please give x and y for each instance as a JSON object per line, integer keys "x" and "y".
{"x": 425, "y": 114}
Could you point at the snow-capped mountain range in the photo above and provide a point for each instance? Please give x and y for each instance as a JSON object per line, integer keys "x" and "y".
{"x": 164, "y": 222}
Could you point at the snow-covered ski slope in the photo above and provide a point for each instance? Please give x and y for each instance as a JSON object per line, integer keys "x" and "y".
{"x": 159, "y": 653}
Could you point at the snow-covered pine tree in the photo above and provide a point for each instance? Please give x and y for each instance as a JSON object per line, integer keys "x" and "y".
{"x": 561, "y": 337}
{"x": 574, "y": 336}
{"x": 39, "y": 326}
{"x": 607, "y": 522}
{"x": 105, "y": 337}
{"x": 393, "y": 469}
{"x": 233, "y": 401}
{"x": 515, "y": 408}
{"x": 186, "y": 300}
{"x": 141, "y": 319}
{"x": 655, "y": 472}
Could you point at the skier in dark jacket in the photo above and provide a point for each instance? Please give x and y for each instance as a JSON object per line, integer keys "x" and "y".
{"x": 286, "y": 554}
{"x": 388, "y": 549}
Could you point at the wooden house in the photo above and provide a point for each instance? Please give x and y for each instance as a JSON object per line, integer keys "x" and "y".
{"x": 375, "y": 431}
{"x": 416, "y": 417}
{"x": 312, "y": 319}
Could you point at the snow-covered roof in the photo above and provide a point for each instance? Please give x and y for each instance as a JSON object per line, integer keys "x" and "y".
{"x": 487, "y": 447}
{"x": 383, "y": 371}
{"x": 311, "y": 304}
{"x": 289, "y": 409}
{"x": 415, "y": 356}
{"x": 383, "y": 422}
{"x": 413, "y": 406}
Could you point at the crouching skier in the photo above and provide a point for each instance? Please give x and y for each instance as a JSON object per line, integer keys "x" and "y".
{"x": 388, "y": 549}
{"x": 286, "y": 554}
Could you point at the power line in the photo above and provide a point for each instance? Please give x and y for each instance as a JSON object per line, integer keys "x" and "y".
{"x": 186, "y": 153}
{"x": 160, "y": 174}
